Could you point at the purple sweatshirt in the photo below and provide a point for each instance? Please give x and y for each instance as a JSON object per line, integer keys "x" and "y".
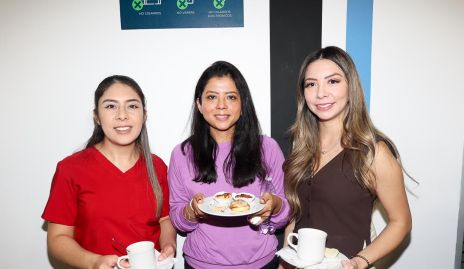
{"x": 224, "y": 242}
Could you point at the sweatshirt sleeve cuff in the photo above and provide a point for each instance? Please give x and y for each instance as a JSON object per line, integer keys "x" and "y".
{"x": 281, "y": 218}
{"x": 181, "y": 223}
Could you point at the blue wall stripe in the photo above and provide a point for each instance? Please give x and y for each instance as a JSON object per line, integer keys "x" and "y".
{"x": 359, "y": 40}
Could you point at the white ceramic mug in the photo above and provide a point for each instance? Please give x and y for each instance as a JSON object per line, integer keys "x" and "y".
{"x": 141, "y": 255}
{"x": 311, "y": 244}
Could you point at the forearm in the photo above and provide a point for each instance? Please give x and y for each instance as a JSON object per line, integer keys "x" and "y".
{"x": 179, "y": 197}
{"x": 64, "y": 248}
{"x": 289, "y": 229}
{"x": 389, "y": 239}
{"x": 275, "y": 160}
{"x": 391, "y": 194}
{"x": 168, "y": 233}
{"x": 179, "y": 218}
{"x": 280, "y": 214}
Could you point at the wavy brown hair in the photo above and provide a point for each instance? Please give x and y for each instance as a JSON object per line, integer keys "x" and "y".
{"x": 358, "y": 139}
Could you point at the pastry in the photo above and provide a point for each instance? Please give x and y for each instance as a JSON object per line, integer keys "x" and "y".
{"x": 247, "y": 197}
{"x": 243, "y": 195}
{"x": 239, "y": 206}
{"x": 223, "y": 196}
{"x": 331, "y": 252}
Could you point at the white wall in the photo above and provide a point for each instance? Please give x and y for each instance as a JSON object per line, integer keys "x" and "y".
{"x": 417, "y": 99}
{"x": 54, "y": 53}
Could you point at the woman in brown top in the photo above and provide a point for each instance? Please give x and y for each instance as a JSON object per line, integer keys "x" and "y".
{"x": 340, "y": 163}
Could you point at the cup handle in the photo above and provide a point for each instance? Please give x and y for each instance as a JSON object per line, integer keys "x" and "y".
{"x": 289, "y": 240}
{"x": 120, "y": 259}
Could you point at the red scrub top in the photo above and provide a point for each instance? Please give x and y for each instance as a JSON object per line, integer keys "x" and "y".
{"x": 103, "y": 203}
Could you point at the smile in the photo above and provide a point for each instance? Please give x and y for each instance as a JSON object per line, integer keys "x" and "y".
{"x": 122, "y": 129}
{"x": 324, "y": 107}
{"x": 222, "y": 117}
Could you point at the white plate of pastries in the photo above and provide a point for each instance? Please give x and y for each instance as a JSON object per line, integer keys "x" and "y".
{"x": 227, "y": 204}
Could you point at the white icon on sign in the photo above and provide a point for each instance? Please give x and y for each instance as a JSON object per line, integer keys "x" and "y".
{"x": 151, "y": 3}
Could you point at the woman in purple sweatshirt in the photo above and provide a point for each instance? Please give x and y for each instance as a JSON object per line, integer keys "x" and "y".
{"x": 226, "y": 152}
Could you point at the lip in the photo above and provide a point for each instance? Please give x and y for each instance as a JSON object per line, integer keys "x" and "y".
{"x": 324, "y": 106}
{"x": 122, "y": 129}
{"x": 222, "y": 117}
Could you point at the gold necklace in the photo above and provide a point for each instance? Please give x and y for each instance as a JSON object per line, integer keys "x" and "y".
{"x": 323, "y": 152}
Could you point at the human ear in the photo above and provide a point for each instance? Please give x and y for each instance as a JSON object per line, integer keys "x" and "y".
{"x": 199, "y": 105}
{"x": 95, "y": 118}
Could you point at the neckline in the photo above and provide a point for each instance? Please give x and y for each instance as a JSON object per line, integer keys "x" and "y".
{"x": 328, "y": 163}
{"x": 110, "y": 165}
{"x": 224, "y": 144}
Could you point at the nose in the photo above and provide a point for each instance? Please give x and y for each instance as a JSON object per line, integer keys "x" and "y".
{"x": 122, "y": 114}
{"x": 221, "y": 103}
{"x": 321, "y": 91}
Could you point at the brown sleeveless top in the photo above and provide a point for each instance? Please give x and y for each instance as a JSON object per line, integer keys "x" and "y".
{"x": 334, "y": 201}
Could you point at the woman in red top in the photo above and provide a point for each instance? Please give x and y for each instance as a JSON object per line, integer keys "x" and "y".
{"x": 114, "y": 192}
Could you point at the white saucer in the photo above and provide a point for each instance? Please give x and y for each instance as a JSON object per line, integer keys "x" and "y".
{"x": 289, "y": 255}
{"x": 167, "y": 263}
{"x": 208, "y": 204}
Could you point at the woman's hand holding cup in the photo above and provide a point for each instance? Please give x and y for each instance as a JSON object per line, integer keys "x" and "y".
{"x": 104, "y": 262}
{"x": 167, "y": 251}
{"x": 311, "y": 244}
{"x": 141, "y": 255}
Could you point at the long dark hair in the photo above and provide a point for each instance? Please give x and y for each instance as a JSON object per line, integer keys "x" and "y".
{"x": 245, "y": 161}
{"x": 142, "y": 140}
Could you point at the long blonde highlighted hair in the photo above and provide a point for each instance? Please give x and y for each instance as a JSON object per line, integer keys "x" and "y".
{"x": 359, "y": 135}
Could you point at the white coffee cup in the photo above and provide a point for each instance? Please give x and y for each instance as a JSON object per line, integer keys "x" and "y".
{"x": 311, "y": 244}
{"x": 141, "y": 255}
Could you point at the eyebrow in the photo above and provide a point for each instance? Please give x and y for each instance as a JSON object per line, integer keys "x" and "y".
{"x": 211, "y": 91}
{"x": 326, "y": 77}
{"x": 116, "y": 101}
